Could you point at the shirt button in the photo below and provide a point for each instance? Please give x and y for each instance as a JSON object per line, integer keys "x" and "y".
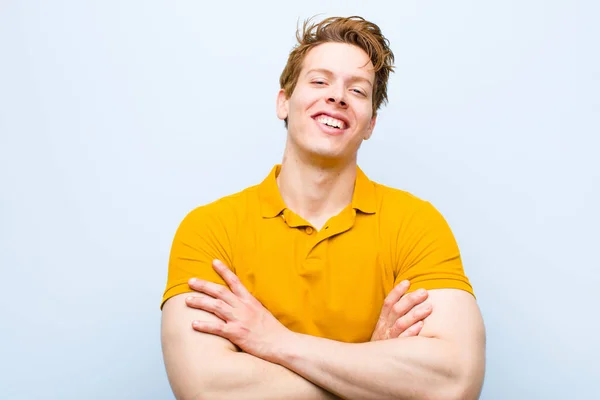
{"x": 309, "y": 230}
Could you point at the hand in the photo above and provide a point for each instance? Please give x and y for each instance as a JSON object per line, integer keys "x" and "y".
{"x": 245, "y": 321}
{"x": 401, "y": 314}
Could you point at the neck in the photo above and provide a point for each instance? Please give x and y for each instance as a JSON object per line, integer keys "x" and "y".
{"x": 316, "y": 192}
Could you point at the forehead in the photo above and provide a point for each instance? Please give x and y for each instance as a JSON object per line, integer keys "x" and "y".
{"x": 341, "y": 59}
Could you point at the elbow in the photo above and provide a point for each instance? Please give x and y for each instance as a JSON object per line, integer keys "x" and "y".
{"x": 449, "y": 391}
{"x": 195, "y": 383}
{"x": 458, "y": 386}
{"x": 463, "y": 391}
{"x": 197, "y": 391}
{"x": 465, "y": 377}
{"x": 465, "y": 385}
{"x": 459, "y": 380}
{"x": 205, "y": 394}
{"x": 459, "y": 391}
{"x": 187, "y": 391}
{"x": 201, "y": 387}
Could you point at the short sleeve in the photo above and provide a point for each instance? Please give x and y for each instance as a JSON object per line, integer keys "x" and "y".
{"x": 202, "y": 236}
{"x": 427, "y": 253}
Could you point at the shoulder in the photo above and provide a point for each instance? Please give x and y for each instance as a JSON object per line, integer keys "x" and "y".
{"x": 224, "y": 212}
{"x": 401, "y": 203}
{"x": 403, "y": 212}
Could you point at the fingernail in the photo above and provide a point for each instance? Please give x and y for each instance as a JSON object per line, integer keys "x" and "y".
{"x": 192, "y": 281}
{"x": 421, "y": 292}
{"x": 190, "y": 298}
{"x": 405, "y": 283}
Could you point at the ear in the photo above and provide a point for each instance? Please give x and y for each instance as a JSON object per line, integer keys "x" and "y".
{"x": 371, "y": 127}
{"x": 282, "y": 105}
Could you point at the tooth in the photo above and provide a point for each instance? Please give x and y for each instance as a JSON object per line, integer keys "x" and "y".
{"x": 324, "y": 119}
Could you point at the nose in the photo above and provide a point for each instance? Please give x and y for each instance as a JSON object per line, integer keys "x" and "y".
{"x": 333, "y": 100}
{"x": 336, "y": 97}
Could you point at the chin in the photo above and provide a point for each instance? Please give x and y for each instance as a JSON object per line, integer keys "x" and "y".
{"x": 328, "y": 156}
{"x": 325, "y": 148}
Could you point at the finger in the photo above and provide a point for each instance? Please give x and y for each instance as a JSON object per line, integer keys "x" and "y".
{"x": 212, "y": 327}
{"x": 378, "y": 331}
{"x": 406, "y": 303}
{"x": 231, "y": 279}
{"x": 413, "y": 330}
{"x": 393, "y": 297}
{"x": 405, "y": 322}
{"x": 215, "y": 306}
{"x": 214, "y": 290}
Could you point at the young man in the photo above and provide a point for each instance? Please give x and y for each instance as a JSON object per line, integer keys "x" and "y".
{"x": 298, "y": 288}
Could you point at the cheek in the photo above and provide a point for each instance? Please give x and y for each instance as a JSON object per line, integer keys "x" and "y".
{"x": 306, "y": 99}
{"x": 364, "y": 118}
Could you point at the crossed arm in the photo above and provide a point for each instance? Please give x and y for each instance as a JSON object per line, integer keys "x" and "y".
{"x": 446, "y": 361}
{"x": 205, "y": 366}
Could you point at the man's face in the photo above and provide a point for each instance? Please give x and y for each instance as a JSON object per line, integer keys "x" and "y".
{"x": 330, "y": 111}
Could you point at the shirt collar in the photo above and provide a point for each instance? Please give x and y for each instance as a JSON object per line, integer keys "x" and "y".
{"x": 272, "y": 204}
{"x": 363, "y": 198}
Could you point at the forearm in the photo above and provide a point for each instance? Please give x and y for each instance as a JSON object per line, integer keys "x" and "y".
{"x": 404, "y": 368}
{"x": 238, "y": 375}
{"x": 204, "y": 366}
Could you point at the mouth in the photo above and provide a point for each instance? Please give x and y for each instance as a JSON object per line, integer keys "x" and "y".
{"x": 330, "y": 122}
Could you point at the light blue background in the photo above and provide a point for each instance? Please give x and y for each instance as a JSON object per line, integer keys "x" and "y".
{"x": 117, "y": 118}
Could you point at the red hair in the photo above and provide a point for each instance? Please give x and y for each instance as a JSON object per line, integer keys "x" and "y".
{"x": 351, "y": 30}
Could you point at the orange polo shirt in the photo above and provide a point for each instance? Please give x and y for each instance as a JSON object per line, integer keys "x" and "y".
{"x": 329, "y": 283}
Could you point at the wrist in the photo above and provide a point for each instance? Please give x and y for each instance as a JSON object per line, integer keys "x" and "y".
{"x": 284, "y": 349}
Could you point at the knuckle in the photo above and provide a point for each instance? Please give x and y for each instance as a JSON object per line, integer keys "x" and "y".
{"x": 232, "y": 277}
{"x": 401, "y": 287}
{"x": 398, "y": 308}
{"x": 397, "y": 289}
{"x": 219, "y": 305}
{"x": 423, "y": 310}
{"x": 222, "y": 329}
{"x": 413, "y": 330}
{"x": 220, "y": 290}
{"x": 202, "y": 303}
{"x": 400, "y": 324}
{"x": 388, "y": 302}
{"x": 416, "y": 297}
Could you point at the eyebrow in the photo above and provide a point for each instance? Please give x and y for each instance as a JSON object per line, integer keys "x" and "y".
{"x": 329, "y": 73}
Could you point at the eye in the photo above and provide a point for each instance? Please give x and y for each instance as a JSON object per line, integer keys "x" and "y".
{"x": 359, "y": 91}
{"x": 319, "y": 82}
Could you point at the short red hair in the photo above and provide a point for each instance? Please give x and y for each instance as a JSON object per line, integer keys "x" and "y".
{"x": 351, "y": 30}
